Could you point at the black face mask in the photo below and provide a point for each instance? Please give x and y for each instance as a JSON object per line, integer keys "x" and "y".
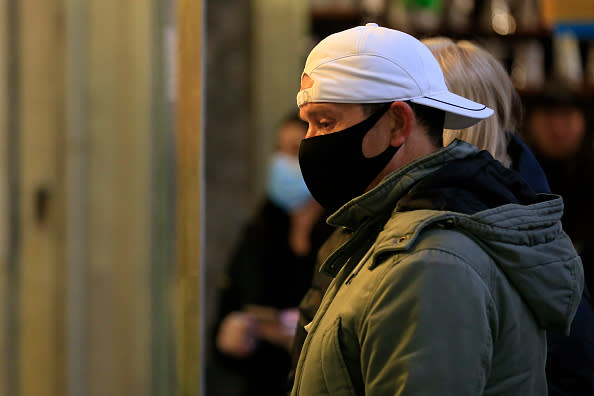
{"x": 334, "y": 167}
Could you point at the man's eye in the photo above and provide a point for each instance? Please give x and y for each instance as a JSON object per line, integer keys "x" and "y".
{"x": 324, "y": 124}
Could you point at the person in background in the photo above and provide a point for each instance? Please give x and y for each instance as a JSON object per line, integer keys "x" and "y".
{"x": 472, "y": 72}
{"x": 428, "y": 295}
{"x": 269, "y": 272}
{"x": 558, "y": 131}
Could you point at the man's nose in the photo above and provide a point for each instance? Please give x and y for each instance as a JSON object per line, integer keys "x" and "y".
{"x": 310, "y": 132}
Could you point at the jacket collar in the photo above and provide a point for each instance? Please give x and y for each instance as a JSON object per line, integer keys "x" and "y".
{"x": 386, "y": 194}
{"x": 363, "y": 215}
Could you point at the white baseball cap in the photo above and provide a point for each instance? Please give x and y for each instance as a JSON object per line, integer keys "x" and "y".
{"x": 372, "y": 64}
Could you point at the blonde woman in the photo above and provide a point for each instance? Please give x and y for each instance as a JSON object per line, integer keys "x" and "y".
{"x": 472, "y": 72}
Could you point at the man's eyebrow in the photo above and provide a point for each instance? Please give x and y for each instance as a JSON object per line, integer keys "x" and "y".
{"x": 317, "y": 112}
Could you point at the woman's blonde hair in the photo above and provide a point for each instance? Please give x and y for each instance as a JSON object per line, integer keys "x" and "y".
{"x": 472, "y": 72}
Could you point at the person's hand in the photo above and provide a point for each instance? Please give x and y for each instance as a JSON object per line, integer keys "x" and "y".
{"x": 238, "y": 334}
{"x": 282, "y": 330}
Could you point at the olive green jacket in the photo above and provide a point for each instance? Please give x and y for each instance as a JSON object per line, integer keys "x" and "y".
{"x": 438, "y": 302}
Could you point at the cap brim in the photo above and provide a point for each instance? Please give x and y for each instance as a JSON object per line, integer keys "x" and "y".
{"x": 460, "y": 112}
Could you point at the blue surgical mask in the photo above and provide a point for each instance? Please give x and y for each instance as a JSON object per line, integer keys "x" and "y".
{"x": 286, "y": 187}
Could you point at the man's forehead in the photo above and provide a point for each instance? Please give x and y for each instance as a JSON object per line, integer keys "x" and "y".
{"x": 313, "y": 110}
{"x": 326, "y": 109}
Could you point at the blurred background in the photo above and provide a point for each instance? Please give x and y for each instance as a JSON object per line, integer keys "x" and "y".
{"x": 134, "y": 140}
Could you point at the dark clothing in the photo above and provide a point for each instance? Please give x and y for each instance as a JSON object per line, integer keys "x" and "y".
{"x": 525, "y": 163}
{"x": 570, "y": 359}
{"x": 468, "y": 186}
{"x": 573, "y": 180}
{"x": 587, "y": 254}
{"x": 264, "y": 271}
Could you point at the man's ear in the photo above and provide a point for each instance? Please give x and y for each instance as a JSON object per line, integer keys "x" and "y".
{"x": 403, "y": 116}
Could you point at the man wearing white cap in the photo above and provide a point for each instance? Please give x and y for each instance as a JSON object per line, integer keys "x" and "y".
{"x": 451, "y": 267}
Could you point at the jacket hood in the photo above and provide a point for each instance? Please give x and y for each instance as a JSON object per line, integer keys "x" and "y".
{"x": 469, "y": 185}
{"x": 519, "y": 229}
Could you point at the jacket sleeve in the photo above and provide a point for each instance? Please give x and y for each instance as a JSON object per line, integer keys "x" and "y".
{"x": 427, "y": 329}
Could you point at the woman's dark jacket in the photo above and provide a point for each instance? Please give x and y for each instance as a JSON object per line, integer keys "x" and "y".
{"x": 264, "y": 271}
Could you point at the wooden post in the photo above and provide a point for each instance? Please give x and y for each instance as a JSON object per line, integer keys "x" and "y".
{"x": 77, "y": 175}
{"x": 42, "y": 256}
{"x": 10, "y": 154}
{"x": 4, "y": 191}
{"x": 189, "y": 220}
{"x": 119, "y": 185}
{"x": 163, "y": 370}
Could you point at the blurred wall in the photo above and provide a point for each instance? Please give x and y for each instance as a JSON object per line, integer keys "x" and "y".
{"x": 100, "y": 211}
